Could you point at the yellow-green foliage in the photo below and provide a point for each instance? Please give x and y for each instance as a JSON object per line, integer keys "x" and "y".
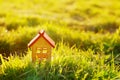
{"x": 67, "y": 63}
{"x": 90, "y": 15}
{"x": 86, "y": 33}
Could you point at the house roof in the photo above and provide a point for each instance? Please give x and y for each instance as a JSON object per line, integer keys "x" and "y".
{"x": 45, "y": 36}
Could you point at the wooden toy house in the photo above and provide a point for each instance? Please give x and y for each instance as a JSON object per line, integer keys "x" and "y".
{"x": 41, "y": 46}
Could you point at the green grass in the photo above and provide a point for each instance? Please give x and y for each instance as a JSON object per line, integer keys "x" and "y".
{"x": 67, "y": 64}
{"x": 104, "y": 14}
{"x": 86, "y": 33}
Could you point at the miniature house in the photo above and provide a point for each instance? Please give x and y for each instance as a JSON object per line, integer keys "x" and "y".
{"x": 41, "y": 46}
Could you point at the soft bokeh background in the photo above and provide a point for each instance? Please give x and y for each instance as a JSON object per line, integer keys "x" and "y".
{"x": 21, "y": 20}
{"x": 86, "y": 33}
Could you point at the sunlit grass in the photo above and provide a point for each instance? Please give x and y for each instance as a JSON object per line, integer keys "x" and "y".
{"x": 67, "y": 63}
{"x": 71, "y": 13}
{"x": 86, "y": 33}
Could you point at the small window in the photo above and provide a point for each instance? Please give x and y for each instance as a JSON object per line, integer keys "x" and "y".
{"x": 45, "y": 50}
{"x": 38, "y": 50}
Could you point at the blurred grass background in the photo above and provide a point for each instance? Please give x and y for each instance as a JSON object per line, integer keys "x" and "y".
{"x": 61, "y": 19}
{"x": 86, "y": 33}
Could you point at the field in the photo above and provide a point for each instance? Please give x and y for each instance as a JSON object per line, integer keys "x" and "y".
{"x": 86, "y": 33}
